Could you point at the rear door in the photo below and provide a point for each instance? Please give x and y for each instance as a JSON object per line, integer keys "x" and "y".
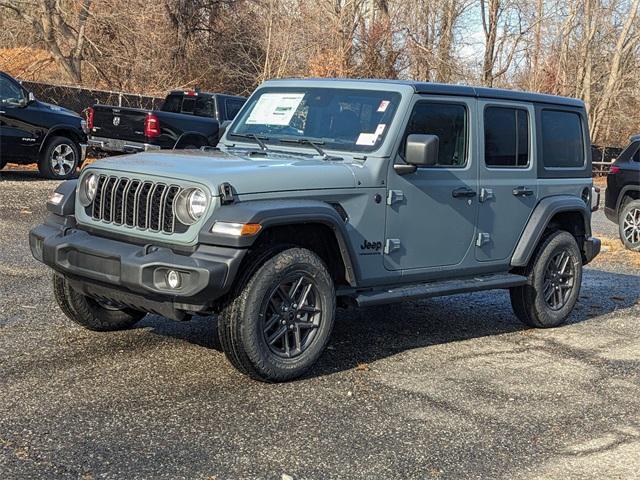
{"x": 508, "y": 178}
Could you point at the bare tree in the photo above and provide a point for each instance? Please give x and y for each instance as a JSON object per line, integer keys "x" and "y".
{"x": 61, "y": 27}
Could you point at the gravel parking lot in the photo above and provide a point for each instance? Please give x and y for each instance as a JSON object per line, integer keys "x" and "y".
{"x": 449, "y": 388}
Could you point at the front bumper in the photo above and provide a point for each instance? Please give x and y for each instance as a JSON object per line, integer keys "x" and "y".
{"x": 136, "y": 275}
{"x": 591, "y": 248}
{"x": 123, "y": 146}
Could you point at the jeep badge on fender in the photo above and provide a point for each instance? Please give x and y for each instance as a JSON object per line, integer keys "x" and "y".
{"x": 276, "y": 227}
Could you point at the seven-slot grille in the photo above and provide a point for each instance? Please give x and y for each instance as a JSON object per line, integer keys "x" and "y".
{"x": 136, "y": 203}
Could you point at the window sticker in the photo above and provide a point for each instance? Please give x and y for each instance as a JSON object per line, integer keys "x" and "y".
{"x": 368, "y": 139}
{"x": 383, "y": 105}
{"x": 275, "y": 108}
{"x": 380, "y": 129}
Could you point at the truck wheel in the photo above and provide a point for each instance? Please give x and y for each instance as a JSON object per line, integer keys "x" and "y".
{"x": 555, "y": 276}
{"x": 91, "y": 314}
{"x": 279, "y": 320}
{"x": 60, "y": 159}
{"x": 629, "y": 225}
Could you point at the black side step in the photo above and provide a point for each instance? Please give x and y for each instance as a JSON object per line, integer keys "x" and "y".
{"x": 437, "y": 289}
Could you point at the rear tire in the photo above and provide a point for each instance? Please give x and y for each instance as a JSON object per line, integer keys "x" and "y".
{"x": 278, "y": 322}
{"x": 89, "y": 313}
{"x": 60, "y": 159}
{"x": 629, "y": 225}
{"x": 555, "y": 276}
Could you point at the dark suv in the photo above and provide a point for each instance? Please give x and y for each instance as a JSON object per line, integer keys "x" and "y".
{"x": 36, "y": 132}
{"x": 622, "y": 198}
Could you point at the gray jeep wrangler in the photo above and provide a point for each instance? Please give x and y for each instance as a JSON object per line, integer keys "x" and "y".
{"x": 326, "y": 193}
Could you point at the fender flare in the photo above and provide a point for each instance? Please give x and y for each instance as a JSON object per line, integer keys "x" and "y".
{"x": 270, "y": 213}
{"x": 77, "y": 136}
{"x": 623, "y": 192}
{"x": 199, "y": 135}
{"x": 539, "y": 220}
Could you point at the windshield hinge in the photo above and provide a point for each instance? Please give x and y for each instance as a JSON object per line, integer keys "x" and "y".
{"x": 395, "y": 196}
{"x": 226, "y": 193}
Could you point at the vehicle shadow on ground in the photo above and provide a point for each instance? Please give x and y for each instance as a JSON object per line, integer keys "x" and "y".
{"x": 366, "y": 335}
{"x": 22, "y": 175}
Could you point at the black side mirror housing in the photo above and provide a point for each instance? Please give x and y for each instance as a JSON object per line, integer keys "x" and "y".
{"x": 422, "y": 150}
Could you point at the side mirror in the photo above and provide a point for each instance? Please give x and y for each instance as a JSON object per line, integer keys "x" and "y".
{"x": 30, "y": 97}
{"x": 422, "y": 150}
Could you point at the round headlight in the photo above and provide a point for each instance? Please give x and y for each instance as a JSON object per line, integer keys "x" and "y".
{"x": 190, "y": 205}
{"x": 88, "y": 190}
{"x": 197, "y": 201}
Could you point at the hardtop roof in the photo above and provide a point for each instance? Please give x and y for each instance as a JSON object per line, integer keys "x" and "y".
{"x": 450, "y": 89}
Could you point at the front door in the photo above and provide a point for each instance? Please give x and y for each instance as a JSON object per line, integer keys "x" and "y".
{"x": 14, "y": 133}
{"x": 508, "y": 179}
{"x": 431, "y": 213}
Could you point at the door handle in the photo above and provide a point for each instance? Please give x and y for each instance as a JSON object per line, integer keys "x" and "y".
{"x": 463, "y": 192}
{"x": 522, "y": 192}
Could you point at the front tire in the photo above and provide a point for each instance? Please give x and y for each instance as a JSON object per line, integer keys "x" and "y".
{"x": 60, "y": 159}
{"x": 89, "y": 313}
{"x": 279, "y": 321}
{"x": 629, "y": 225}
{"x": 555, "y": 276}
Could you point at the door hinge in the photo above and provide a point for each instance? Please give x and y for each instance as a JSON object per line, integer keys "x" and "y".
{"x": 394, "y": 196}
{"x": 391, "y": 245}
{"x": 486, "y": 194}
{"x": 483, "y": 238}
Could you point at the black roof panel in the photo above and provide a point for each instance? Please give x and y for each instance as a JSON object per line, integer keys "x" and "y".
{"x": 468, "y": 91}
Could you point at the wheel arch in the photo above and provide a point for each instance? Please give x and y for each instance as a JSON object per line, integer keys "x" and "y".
{"x": 60, "y": 131}
{"x": 628, "y": 191}
{"x": 190, "y": 137}
{"x": 561, "y": 212}
{"x": 311, "y": 224}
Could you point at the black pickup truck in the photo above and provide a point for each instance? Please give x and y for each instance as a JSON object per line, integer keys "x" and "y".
{"x": 187, "y": 119}
{"x": 32, "y": 131}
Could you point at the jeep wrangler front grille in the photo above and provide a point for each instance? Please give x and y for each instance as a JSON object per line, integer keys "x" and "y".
{"x": 136, "y": 203}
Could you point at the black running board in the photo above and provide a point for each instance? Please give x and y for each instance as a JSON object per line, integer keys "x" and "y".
{"x": 438, "y": 289}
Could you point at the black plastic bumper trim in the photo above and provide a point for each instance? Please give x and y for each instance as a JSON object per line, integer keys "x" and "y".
{"x": 208, "y": 271}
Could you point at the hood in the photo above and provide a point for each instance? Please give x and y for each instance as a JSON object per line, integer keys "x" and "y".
{"x": 246, "y": 173}
{"x": 57, "y": 109}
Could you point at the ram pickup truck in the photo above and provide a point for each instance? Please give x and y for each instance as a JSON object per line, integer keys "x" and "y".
{"x": 32, "y": 131}
{"x": 326, "y": 193}
{"x": 188, "y": 119}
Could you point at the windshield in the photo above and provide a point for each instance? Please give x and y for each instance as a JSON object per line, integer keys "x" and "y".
{"x": 336, "y": 118}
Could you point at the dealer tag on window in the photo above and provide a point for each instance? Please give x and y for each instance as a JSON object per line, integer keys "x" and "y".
{"x": 275, "y": 108}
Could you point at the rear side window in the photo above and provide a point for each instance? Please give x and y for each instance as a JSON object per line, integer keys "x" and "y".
{"x": 506, "y": 137}
{"x": 449, "y": 123}
{"x": 233, "y": 106}
{"x": 205, "y": 106}
{"x": 562, "y": 139}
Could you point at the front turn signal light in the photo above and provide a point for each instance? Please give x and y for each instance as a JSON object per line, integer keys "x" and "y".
{"x": 236, "y": 229}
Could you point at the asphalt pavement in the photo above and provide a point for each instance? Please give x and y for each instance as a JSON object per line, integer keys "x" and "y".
{"x": 448, "y": 388}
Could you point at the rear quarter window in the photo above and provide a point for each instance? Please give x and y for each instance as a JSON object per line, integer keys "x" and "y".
{"x": 562, "y": 139}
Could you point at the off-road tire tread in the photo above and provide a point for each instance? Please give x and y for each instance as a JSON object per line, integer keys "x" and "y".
{"x": 87, "y": 313}
{"x": 230, "y": 321}
{"x": 523, "y": 297}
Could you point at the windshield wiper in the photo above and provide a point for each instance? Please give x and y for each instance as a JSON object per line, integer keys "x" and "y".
{"x": 259, "y": 139}
{"x": 306, "y": 141}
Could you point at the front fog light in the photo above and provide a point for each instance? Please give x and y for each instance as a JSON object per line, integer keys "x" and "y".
{"x": 174, "y": 279}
